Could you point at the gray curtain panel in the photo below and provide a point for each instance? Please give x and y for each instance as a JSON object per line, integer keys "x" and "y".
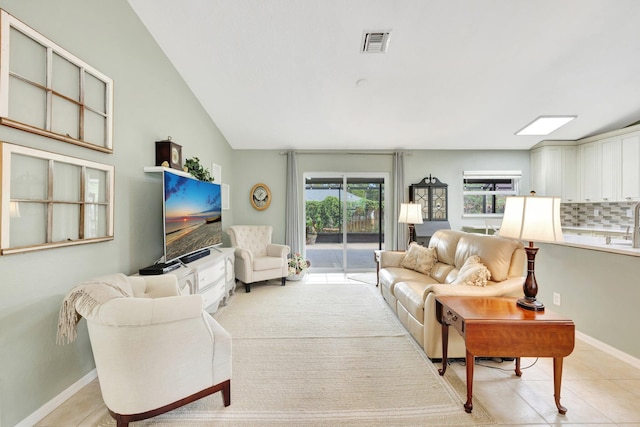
{"x": 398, "y": 198}
{"x": 292, "y": 234}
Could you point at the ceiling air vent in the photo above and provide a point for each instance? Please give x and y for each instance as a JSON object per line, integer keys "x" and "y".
{"x": 375, "y": 41}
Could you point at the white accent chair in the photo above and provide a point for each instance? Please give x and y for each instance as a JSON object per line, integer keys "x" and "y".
{"x": 155, "y": 350}
{"x": 257, "y": 259}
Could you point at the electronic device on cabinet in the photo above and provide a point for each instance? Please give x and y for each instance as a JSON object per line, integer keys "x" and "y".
{"x": 192, "y": 217}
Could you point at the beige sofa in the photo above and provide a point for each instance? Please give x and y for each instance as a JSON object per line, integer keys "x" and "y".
{"x": 411, "y": 294}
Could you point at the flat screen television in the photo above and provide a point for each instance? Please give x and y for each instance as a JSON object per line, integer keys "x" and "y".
{"x": 192, "y": 212}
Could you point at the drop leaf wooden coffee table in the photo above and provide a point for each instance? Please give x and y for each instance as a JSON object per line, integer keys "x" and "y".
{"x": 497, "y": 327}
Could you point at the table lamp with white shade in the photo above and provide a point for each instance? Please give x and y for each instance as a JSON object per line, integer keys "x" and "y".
{"x": 410, "y": 213}
{"x": 536, "y": 219}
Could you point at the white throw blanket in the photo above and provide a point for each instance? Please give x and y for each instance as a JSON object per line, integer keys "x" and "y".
{"x": 85, "y": 297}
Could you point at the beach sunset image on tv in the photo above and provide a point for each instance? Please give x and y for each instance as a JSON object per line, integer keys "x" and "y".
{"x": 192, "y": 215}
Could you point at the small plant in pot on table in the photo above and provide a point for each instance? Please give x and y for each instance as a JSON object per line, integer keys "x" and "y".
{"x": 298, "y": 267}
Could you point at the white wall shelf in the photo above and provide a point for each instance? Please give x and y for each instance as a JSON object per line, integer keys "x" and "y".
{"x": 162, "y": 169}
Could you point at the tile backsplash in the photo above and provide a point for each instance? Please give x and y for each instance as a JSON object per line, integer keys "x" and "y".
{"x": 600, "y": 215}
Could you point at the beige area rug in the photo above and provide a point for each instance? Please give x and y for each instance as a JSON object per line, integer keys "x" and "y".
{"x": 324, "y": 355}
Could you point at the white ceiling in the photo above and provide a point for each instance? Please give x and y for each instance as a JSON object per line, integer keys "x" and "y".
{"x": 458, "y": 74}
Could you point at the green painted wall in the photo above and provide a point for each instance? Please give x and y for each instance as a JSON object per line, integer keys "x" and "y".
{"x": 250, "y": 168}
{"x": 253, "y": 166}
{"x": 448, "y": 166}
{"x": 151, "y": 102}
{"x": 599, "y": 291}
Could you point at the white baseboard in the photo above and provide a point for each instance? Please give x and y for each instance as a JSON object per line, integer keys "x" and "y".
{"x": 609, "y": 350}
{"x": 51, "y": 405}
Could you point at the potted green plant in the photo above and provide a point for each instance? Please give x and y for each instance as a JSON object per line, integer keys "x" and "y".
{"x": 312, "y": 233}
{"x": 298, "y": 267}
{"x": 194, "y": 167}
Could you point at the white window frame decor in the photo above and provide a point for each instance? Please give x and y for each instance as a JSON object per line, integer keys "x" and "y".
{"x": 226, "y": 196}
{"x": 216, "y": 173}
{"x": 53, "y": 200}
{"x": 50, "y": 92}
{"x": 490, "y": 176}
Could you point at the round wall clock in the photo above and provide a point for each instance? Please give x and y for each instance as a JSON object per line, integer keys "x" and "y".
{"x": 260, "y": 197}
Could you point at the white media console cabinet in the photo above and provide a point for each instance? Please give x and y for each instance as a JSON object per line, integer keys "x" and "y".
{"x": 212, "y": 276}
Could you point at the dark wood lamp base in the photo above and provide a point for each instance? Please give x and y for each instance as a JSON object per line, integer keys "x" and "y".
{"x": 530, "y": 286}
{"x": 530, "y": 304}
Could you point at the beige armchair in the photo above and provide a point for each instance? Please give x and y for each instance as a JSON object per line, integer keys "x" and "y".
{"x": 155, "y": 350}
{"x": 257, "y": 259}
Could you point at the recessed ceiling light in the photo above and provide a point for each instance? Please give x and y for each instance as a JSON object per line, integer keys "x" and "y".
{"x": 544, "y": 125}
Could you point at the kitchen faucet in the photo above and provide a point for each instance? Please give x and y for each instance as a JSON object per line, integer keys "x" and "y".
{"x": 636, "y": 226}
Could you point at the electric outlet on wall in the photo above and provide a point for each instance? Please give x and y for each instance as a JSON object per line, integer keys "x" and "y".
{"x": 629, "y": 213}
{"x": 596, "y": 212}
{"x": 556, "y": 299}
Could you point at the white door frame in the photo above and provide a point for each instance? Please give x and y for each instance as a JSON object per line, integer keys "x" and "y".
{"x": 345, "y": 176}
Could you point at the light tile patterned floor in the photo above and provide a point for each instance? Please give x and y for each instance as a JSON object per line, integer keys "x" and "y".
{"x": 598, "y": 389}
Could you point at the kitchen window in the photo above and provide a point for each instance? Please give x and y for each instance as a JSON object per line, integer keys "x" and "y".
{"x": 485, "y": 192}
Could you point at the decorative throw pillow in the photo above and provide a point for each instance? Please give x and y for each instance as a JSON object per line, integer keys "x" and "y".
{"x": 419, "y": 258}
{"x": 410, "y": 258}
{"x": 427, "y": 258}
{"x": 473, "y": 272}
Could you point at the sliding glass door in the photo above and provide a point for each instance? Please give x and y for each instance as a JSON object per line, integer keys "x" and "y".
{"x": 344, "y": 221}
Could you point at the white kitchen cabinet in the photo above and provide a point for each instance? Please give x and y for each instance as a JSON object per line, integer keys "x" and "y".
{"x": 609, "y": 167}
{"x": 589, "y": 172}
{"x": 603, "y": 168}
{"x": 570, "y": 174}
{"x": 554, "y": 172}
{"x": 538, "y": 171}
{"x": 630, "y": 181}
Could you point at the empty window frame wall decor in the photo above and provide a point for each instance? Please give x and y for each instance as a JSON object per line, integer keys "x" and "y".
{"x": 48, "y": 91}
{"x": 50, "y": 200}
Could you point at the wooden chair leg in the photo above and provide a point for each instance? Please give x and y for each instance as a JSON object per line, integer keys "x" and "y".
{"x": 224, "y": 387}
{"x": 226, "y": 393}
{"x": 121, "y": 421}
